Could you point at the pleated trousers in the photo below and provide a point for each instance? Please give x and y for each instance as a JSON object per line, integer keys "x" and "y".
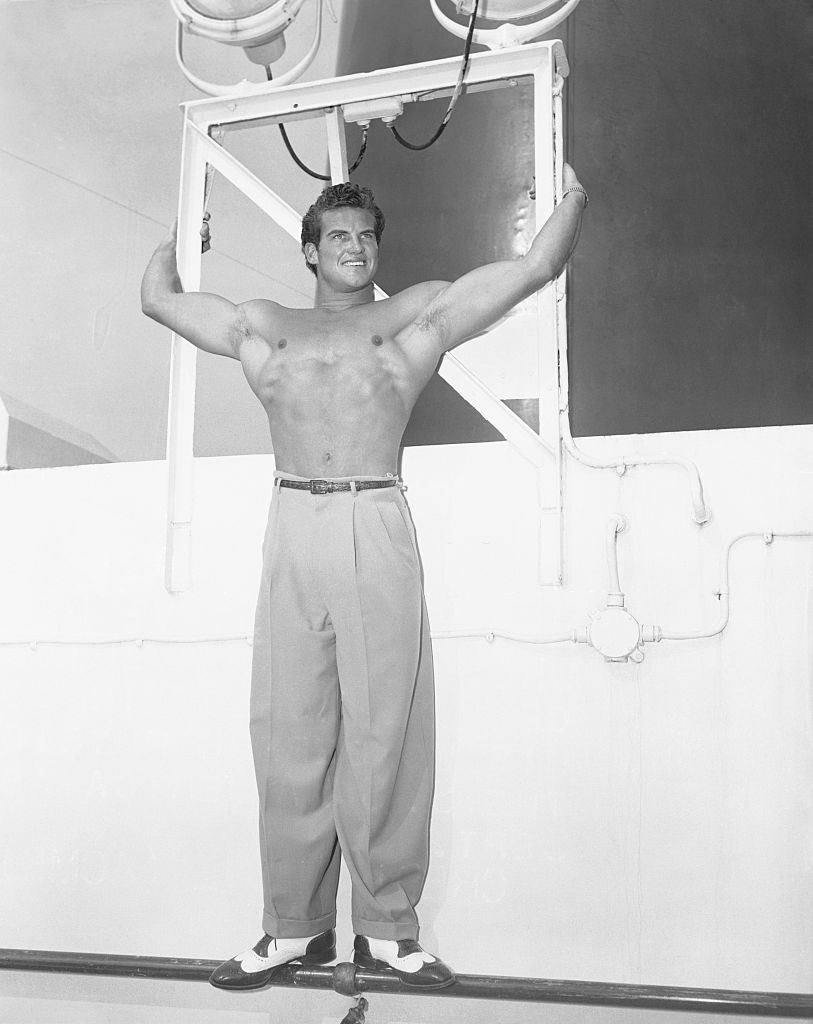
{"x": 342, "y": 712}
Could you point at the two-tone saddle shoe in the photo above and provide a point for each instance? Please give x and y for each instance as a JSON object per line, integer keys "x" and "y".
{"x": 413, "y": 965}
{"x": 256, "y": 967}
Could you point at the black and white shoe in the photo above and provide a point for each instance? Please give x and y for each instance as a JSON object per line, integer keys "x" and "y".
{"x": 256, "y": 967}
{"x": 413, "y": 965}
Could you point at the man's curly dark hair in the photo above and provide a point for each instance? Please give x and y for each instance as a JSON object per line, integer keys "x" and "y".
{"x": 333, "y": 197}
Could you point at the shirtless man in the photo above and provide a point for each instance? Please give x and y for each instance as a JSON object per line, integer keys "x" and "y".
{"x": 342, "y": 700}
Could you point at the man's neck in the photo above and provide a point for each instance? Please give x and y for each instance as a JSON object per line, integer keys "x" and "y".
{"x": 328, "y": 299}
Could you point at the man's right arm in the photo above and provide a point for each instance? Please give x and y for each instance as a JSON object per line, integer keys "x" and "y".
{"x": 208, "y": 321}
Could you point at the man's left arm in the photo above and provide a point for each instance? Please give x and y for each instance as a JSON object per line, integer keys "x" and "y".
{"x": 481, "y": 297}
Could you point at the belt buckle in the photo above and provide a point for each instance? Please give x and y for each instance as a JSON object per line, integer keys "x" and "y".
{"x": 321, "y": 486}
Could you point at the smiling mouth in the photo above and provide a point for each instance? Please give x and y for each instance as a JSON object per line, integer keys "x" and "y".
{"x": 355, "y": 263}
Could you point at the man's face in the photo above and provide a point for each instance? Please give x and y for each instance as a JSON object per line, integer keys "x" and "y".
{"x": 347, "y": 254}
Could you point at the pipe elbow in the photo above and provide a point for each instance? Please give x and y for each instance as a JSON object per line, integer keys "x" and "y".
{"x": 700, "y": 510}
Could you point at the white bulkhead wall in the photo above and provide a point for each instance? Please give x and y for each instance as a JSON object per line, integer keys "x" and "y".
{"x": 599, "y": 820}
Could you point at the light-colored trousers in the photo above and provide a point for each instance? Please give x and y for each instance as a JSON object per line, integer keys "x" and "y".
{"x": 342, "y": 712}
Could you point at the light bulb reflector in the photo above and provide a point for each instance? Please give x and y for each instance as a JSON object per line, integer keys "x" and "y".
{"x": 508, "y": 10}
{"x": 230, "y": 10}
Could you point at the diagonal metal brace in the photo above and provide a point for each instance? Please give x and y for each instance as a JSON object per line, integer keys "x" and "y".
{"x": 528, "y": 443}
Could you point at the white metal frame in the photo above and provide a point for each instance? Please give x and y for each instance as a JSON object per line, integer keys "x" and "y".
{"x": 546, "y": 64}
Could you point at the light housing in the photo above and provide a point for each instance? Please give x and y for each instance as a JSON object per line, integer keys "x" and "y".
{"x": 257, "y": 26}
{"x": 509, "y": 12}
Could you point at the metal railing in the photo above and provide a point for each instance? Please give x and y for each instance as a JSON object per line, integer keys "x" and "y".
{"x": 349, "y": 980}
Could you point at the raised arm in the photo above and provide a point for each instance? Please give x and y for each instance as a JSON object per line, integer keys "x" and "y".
{"x": 481, "y": 297}
{"x": 208, "y": 321}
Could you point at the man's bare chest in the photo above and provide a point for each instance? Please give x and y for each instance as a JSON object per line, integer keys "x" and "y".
{"x": 305, "y": 354}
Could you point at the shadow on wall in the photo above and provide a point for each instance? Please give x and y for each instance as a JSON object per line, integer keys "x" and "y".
{"x": 30, "y": 439}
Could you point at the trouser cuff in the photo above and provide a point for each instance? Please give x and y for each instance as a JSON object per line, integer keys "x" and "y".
{"x": 385, "y": 929}
{"x": 284, "y": 928}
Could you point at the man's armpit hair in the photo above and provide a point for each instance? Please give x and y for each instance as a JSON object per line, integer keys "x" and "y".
{"x": 241, "y": 331}
{"x": 435, "y": 320}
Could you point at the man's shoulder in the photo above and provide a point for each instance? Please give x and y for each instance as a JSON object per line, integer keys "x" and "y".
{"x": 263, "y": 315}
{"x": 414, "y": 301}
{"x": 424, "y": 290}
{"x": 261, "y": 308}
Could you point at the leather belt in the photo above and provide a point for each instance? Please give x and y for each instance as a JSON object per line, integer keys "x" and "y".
{"x": 329, "y": 486}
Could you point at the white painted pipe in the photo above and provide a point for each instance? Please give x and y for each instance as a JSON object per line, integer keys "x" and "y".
{"x": 767, "y": 537}
{"x": 493, "y": 634}
{"x": 616, "y": 524}
{"x": 649, "y": 634}
{"x": 620, "y": 463}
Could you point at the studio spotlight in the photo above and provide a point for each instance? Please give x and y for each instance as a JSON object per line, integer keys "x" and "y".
{"x": 258, "y": 26}
{"x": 513, "y": 13}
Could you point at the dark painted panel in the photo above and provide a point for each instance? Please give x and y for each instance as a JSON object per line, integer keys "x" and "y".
{"x": 690, "y": 306}
{"x": 690, "y": 290}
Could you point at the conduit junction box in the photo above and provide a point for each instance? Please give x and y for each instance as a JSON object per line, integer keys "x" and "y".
{"x": 368, "y": 110}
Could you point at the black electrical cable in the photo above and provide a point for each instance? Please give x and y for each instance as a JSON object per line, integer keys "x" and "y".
{"x": 295, "y": 158}
{"x": 455, "y": 95}
{"x": 315, "y": 174}
{"x": 304, "y": 167}
{"x": 363, "y": 149}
